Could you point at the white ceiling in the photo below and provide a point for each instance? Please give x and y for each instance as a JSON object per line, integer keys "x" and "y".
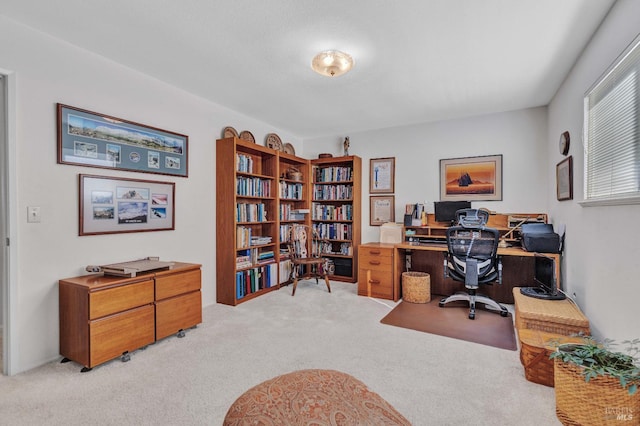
{"x": 416, "y": 60}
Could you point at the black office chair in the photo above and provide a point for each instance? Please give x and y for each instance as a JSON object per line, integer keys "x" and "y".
{"x": 472, "y": 258}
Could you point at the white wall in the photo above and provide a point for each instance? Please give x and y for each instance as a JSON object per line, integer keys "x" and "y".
{"x": 601, "y": 260}
{"x": 49, "y": 71}
{"x": 520, "y": 136}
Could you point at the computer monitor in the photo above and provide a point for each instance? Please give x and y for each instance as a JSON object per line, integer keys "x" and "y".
{"x": 445, "y": 211}
{"x": 544, "y": 275}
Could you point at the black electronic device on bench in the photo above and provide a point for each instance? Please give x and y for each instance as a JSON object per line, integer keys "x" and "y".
{"x": 545, "y": 278}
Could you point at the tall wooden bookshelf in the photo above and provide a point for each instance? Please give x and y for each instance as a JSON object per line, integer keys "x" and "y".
{"x": 246, "y": 220}
{"x": 293, "y": 204}
{"x": 336, "y": 211}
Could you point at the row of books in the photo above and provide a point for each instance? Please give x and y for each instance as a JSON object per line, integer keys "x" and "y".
{"x": 253, "y": 186}
{"x": 243, "y": 236}
{"x": 289, "y": 212}
{"x": 334, "y": 174}
{"x": 251, "y": 212}
{"x": 244, "y": 163}
{"x": 291, "y": 191}
{"x": 253, "y": 256}
{"x": 333, "y": 231}
{"x": 329, "y": 212}
{"x": 256, "y": 279}
{"x": 332, "y": 192}
{"x": 326, "y": 247}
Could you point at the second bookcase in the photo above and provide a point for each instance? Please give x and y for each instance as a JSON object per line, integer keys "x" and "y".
{"x": 336, "y": 211}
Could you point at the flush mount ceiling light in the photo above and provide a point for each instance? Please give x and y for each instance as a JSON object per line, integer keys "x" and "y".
{"x": 332, "y": 63}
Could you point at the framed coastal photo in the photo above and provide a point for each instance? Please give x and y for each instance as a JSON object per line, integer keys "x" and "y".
{"x": 381, "y": 209}
{"x": 471, "y": 178}
{"x": 91, "y": 139}
{"x": 564, "y": 179}
{"x": 382, "y": 175}
{"x": 118, "y": 205}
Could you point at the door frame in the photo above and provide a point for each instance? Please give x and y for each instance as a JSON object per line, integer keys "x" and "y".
{"x": 8, "y": 227}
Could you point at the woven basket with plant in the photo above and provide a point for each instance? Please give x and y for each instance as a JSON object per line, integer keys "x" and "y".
{"x": 596, "y": 385}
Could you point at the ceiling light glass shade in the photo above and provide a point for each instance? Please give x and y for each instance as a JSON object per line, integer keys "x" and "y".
{"x": 332, "y": 63}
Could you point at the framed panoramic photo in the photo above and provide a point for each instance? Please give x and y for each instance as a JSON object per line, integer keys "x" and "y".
{"x": 116, "y": 205}
{"x": 381, "y": 175}
{"x": 381, "y": 209}
{"x": 471, "y": 178}
{"x": 564, "y": 179}
{"x": 91, "y": 139}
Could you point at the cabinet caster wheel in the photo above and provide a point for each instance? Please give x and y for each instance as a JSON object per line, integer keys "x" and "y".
{"x": 85, "y": 369}
{"x": 64, "y": 360}
{"x": 472, "y": 316}
{"x": 181, "y": 334}
{"x": 126, "y": 357}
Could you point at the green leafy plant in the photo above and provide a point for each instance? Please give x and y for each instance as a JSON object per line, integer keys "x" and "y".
{"x": 601, "y": 359}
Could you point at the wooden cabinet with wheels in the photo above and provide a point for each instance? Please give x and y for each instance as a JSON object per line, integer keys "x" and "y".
{"x": 178, "y": 302}
{"x": 104, "y": 317}
{"x": 376, "y": 271}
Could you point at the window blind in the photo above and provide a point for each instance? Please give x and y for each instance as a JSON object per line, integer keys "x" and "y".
{"x": 612, "y": 131}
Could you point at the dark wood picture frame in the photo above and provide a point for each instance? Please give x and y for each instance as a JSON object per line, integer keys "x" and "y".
{"x": 381, "y": 209}
{"x": 87, "y": 138}
{"x": 564, "y": 179}
{"x": 382, "y": 175}
{"x": 110, "y": 205}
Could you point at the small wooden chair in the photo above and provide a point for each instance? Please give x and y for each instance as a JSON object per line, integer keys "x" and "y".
{"x": 305, "y": 256}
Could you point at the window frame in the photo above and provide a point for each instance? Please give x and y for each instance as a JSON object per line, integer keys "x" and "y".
{"x": 607, "y": 78}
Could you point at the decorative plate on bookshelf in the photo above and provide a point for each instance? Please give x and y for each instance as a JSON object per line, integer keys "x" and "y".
{"x": 289, "y": 149}
{"x": 246, "y": 135}
{"x": 229, "y": 132}
{"x": 273, "y": 141}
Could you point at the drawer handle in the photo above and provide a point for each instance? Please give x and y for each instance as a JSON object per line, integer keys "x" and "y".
{"x": 374, "y": 252}
{"x": 374, "y": 281}
{"x": 374, "y": 262}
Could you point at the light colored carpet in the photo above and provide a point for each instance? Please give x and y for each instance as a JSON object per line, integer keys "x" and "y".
{"x": 430, "y": 379}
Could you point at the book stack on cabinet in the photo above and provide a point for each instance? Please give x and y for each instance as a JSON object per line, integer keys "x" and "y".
{"x": 260, "y": 194}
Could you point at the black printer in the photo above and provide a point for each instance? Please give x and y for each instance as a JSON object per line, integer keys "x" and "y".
{"x": 540, "y": 237}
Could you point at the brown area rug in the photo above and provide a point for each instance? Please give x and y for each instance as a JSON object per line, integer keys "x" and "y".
{"x": 489, "y": 328}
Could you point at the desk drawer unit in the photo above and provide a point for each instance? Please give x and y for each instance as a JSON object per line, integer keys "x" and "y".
{"x": 375, "y": 272}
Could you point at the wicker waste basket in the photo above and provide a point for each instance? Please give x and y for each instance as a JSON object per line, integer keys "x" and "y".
{"x": 416, "y": 287}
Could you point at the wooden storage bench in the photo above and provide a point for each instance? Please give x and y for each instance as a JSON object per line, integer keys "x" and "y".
{"x": 553, "y": 316}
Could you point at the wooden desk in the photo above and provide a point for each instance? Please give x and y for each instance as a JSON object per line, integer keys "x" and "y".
{"x": 517, "y": 270}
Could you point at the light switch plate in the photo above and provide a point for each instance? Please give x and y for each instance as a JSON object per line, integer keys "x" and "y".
{"x": 33, "y": 214}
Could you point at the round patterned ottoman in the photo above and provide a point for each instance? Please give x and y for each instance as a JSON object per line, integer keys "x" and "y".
{"x": 312, "y": 397}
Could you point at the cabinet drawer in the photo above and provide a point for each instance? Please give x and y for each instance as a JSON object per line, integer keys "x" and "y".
{"x": 375, "y": 283}
{"x": 180, "y": 283}
{"x": 178, "y": 313}
{"x": 111, "y": 336}
{"x": 376, "y": 251}
{"x": 118, "y": 299}
{"x": 375, "y": 262}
